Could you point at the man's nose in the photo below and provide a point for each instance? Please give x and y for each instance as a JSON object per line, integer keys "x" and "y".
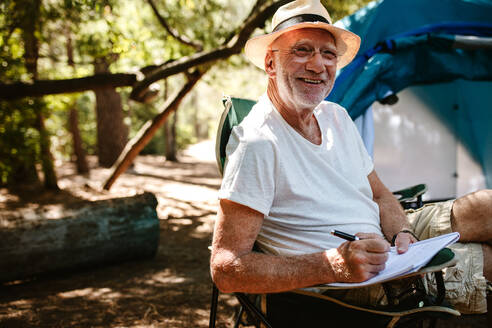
{"x": 316, "y": 63}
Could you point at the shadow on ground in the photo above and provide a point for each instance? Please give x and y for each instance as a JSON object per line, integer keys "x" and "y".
{"x": 171, "y": 290}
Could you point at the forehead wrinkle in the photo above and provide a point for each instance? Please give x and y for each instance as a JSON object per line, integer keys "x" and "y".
{"x": 309, "y": 42}
{"x": 302, "y": 37}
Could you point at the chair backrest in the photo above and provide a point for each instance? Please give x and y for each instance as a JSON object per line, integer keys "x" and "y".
{"x": 235, "y": 110}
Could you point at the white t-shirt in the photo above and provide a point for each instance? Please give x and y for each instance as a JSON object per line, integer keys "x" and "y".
{"x": 304, "y": 190}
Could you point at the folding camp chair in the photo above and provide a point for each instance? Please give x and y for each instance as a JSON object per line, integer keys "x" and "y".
{"x": 265, "y": 310}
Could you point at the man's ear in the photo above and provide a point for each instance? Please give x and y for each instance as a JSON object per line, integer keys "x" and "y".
{"x": 270, "y": 64}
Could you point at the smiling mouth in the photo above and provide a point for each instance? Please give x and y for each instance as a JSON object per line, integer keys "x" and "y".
{"x": 311, "y": 81}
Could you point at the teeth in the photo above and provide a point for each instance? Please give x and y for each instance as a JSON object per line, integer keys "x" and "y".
{"x": 312, "y": 81}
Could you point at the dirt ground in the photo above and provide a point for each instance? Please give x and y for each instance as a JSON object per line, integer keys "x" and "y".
{"x": 171, "y": 290}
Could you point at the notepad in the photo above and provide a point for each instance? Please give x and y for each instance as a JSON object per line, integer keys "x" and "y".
{"x": 417, "y": 256}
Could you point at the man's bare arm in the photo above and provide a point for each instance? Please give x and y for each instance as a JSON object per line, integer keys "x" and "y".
{"x": 236, "y": 268}
{"x": 393, "y": 218}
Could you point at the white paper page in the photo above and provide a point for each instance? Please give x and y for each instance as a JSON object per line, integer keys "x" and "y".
{"x": 423, "y": 251}
{"x": 418, "y": 254}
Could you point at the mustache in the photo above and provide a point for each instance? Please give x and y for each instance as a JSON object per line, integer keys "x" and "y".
{"x": 313, "y": 77}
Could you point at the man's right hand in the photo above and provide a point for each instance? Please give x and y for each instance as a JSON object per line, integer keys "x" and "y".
{"x": 359, "y": 260}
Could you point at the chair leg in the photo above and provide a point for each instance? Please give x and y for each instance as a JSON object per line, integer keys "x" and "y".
{"x": 213, "y": 306}
{"x": 239, "y": 319}
{"x": 246, "y": 303}
{"x": 441, "y": 288}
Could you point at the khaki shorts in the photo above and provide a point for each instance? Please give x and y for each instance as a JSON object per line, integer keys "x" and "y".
{"x": 465, "y": 283}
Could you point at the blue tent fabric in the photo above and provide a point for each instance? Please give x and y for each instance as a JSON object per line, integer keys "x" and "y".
{"x": 415, "y": 60}
{"x": 383, "y": 19}
{"x": 411, "y": 42}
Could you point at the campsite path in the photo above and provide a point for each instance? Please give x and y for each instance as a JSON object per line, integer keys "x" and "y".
{"x": 171, "y": 290}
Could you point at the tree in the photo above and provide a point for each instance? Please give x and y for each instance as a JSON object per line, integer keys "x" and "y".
{"x": 112, "y": 133}
{"x": 170, "y": 138}
{"x": 73, "y": 118}
{"x": 19, "y": 50}
{"x": 31, "y": 54}
{"x": 170, "y": 132}
{"x": 103, "y": 48}
{"x": 78, "y": 149}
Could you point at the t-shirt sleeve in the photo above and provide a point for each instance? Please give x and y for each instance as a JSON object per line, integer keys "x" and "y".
{"x": 249, "y": 177}
{"x": 366, "y": 160}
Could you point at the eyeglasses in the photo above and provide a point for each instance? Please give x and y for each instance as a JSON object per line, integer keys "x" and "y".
{"x": 305, "y": 53}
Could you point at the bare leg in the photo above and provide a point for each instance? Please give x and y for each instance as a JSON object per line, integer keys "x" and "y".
{"x": 471, "y": 216}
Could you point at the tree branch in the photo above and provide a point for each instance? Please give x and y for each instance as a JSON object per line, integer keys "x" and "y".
{"x": 255, "y": 8}
{"x": 183, "y": 39}
{"x": 145, "y": 134}
{"x": 43, "y": 87}
{"x": 258, "y": 16}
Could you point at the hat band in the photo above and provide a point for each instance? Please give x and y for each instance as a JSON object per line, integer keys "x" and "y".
{"x": 300, "y": 19}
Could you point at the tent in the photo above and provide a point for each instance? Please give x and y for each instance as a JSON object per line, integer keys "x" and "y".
{"x": 442, "y": 52}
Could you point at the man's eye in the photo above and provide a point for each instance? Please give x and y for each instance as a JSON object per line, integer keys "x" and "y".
{"x": 329, "y": 54}
{"x": 302, "y": 51}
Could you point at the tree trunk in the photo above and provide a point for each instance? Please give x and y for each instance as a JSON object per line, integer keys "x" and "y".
{"x": 78, "y": 149}
{"x": 50, "y": 180}
{"x": 73, "y": 116}
{"x": 148, "y": 130}
{"x": 104, "y": 232}
{"x": 112, "y": 133}
{"x": 24, "y": 172}
{"x": 170, "y": 132}
{"x": 31, "y": 55}
{"x": 196, "y": 122}
{"x": 170, "y": 135}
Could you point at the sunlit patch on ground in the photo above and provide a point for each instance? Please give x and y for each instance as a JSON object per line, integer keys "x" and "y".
{"x": 91, "y": 293}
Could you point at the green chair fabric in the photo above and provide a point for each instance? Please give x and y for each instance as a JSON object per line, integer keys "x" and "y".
{"x": 235, "y": 110}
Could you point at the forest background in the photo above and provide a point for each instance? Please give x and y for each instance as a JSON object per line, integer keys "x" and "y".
{"x": 82, "y": 77}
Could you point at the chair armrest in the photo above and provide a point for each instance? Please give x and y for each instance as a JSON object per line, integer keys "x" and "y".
{"x": 410, "y": 192}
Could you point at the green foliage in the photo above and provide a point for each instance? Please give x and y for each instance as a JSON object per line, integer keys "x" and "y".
{"x": 341, "y": 8}
{"x": 19, "y": 144}
{"x": 128, "y": 36}
{"x": 208, "y": 22}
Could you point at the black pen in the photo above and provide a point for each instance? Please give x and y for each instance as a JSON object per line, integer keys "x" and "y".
{"x": 344, "y": 235}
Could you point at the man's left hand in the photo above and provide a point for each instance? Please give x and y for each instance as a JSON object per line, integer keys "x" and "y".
{"x": 403, "y": 239}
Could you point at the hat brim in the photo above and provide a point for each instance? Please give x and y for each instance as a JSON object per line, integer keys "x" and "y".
{"x": 347, "y": 43}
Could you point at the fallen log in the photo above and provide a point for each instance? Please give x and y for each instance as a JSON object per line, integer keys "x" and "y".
{"x": 104, "y": 232}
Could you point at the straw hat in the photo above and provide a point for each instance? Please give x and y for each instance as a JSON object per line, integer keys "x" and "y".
{"x": 303, "y": 14}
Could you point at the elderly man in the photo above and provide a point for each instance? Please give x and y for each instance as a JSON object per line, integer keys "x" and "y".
{"x": 297, "y": 169}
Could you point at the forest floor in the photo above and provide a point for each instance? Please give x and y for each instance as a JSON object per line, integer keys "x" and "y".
{"x": 171, "y": 290}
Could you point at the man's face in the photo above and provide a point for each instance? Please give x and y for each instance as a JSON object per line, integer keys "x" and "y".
{"x": 303, "y": 67}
